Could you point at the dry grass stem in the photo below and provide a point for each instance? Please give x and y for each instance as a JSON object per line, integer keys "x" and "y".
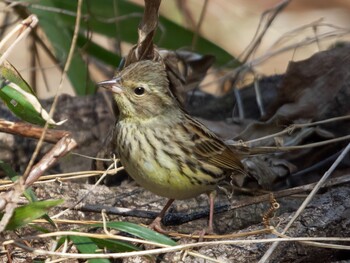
{"x": 291, "y": 128}
{"x": 88, "y": 192}
{"x": 24, "y": 28}
{"x": 5, "y": 184}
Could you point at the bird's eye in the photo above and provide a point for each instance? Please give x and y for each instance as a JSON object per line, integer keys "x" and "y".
{"x": 139, "y": 91}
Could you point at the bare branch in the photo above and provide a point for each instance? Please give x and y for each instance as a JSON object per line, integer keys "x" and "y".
{"x": 64, "y": 146}
{"x": 30, "y": 131}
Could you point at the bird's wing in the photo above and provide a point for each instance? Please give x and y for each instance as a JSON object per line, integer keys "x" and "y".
{"x": 208, "y": 147}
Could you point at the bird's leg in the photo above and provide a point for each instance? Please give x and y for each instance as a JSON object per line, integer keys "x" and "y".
{"x": 209, "y": 229}
{"x": 155, "y": 225}
{"x": 212, "y": 196}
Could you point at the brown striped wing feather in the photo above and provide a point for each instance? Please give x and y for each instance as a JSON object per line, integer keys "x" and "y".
{"x": 210, "y": 148}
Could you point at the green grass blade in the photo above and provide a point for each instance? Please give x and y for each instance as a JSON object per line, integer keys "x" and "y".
{"x": 141, "y": 232}
{"x": 86, "y": 245}
{"x": 27, "y": 213}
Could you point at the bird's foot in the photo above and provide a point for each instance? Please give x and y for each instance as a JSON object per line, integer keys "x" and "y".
{"x": 201, "y": 233}
{"x": 157, "y": 226}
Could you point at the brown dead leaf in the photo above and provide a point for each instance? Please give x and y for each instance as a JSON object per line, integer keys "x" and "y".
{"x": 316, "y": 89}
{"x": 312, "y": 90}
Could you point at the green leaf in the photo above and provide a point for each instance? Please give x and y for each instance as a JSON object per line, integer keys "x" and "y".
{"x": 7, "y": 169}
{"x": 10, "y": 74}
{"x": 40, "y": 228}
{"x": 60, "y": 242}
{"x": 114, "y": 245}
{"x": 27, "y": 213}
{"x": 141, "y": 232}
{"x": 86, "y": 245}
{"x": 20, "y": 98}
{"x": 28, "y": 193}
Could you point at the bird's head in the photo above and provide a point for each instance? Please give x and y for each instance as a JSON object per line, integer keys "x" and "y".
{"x": 141, "y": 90}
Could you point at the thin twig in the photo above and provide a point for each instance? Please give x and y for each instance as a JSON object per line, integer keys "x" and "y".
{"x": 306, "y": 42}
{"x": 117, "y": 38}
{"x": 41, "y": 7}
{"x": 258, "y": 95}
{"x": 259, "y": 37}
{"x": 312, "y": 243}
{"x": 33, "y": 62}
{"x": 297, "y": 31}
{"x": 266, "y": 149}
{"x": 199, "y": 24}
{"x": 339, "y": 32}
{"x": 292, "y": 127}
{"x": 5, "y": 184}
{"x": 287, "y": 192}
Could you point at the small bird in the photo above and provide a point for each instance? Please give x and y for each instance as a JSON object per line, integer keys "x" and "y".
{"x": 161, "y": 147}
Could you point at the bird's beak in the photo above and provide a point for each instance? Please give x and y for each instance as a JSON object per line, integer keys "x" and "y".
{"x": 113, "y": 85}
